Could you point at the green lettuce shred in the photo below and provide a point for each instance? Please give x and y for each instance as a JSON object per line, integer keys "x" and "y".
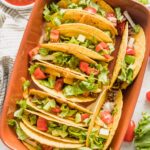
{"x": 21, "y": 135}
{"x": 142, "y": 133}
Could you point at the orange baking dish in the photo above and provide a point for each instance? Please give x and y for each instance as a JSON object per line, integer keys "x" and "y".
{"x": 31, "y": 38}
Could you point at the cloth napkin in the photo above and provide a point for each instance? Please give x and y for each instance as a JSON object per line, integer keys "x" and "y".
{"x": 12, "y": 25}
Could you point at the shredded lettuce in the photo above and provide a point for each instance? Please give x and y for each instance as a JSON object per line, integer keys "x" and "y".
{"x": 119, "y": 14}
{"x": 144, "y": 1}
{"x": 136, "y": 28}
{"x": 78, "y": 118}
{"x": 126, "y": 74}
{"x": 66, "y": 111}
{"x": 77, "y": 133}
{"x": 50, "y": 104}
{"x": 48, "y": 83}
{"x": 21, "y": 135}
{"x": 26, "y": 85}
{"x": 33, "y": 119}
{"x": 19, "y": 112}
{"x": 95, "y": 141}
{"x": 81, "y": 87}
{"x": 66, "y": 60}
{"x": 32, "y": 68}
{"x": 43, "y": 51}
{"x": 142, "y": 132}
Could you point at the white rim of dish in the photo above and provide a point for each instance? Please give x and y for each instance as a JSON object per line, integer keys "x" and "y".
{"x": 17, "y": 7}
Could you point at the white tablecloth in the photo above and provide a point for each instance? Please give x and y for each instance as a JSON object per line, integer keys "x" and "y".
{"x": 10, "y": 37}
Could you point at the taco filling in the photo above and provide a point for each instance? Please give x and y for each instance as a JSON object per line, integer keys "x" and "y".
{"x": 70, "y": 61}
{"x": 103, "y": 124}
{"x": 60, "y": 110}
{"x": 90, "y": 6}
{"x": 126, "y": 74}
{"x": 27, "y": 141}
{"x": 54, "y": 128}
{"x": 103, "y": 48}
{"x": 70, "y": 86}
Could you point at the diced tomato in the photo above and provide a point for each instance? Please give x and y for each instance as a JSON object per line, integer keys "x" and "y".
{"x": 59, "y": 84}
{"x": 121, "y": 27}
{"x": 84, "y": 66}
{"x": 56, "y": 110}
{"x": 130, "y": 51}
{"x": 101, "y": 46}
{"x": 33, "y": 52}
{"x": 92, "y": 71}
{"x": 45, "y": 147}
{"x": 106, "y": 117}
{"x": 54, "y": 36}
{"x": 84, "y": 116}
{"x": 110, "y": 14}
{"x": 38, "y": 74}
{"x": 91, "y": 10}
{"x": 107, "y": 56}
{"x": 148, "y": 96}
{"x": 130, "y": 132}
{"x": 42, "y": 124}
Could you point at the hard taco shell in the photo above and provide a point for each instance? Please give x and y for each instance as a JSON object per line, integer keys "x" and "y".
{"x": 46, "y": 140}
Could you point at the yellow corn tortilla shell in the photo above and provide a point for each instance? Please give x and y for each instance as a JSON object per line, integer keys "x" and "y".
{"x": 113, "y": 127}
{"x": 139, "y": 47}
{"x": 46, "y": 140}
{"x": 90, "y": 32}
{"x": 105, "y": 6}
{"x": 85, "y": 17}
{"x": 121, "y": 55}
{"x": 117, "y": 116}
{"x": 78, "y": 99}
{"x": 29, "y": 146}
{"x": 79, "y": 51}
{"x": 27, "y": 123}
{"x": 71, "y": 105}
{"x": 99, "y": 104}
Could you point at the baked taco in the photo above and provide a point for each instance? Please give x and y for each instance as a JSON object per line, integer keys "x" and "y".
{"x": 88, "y": 12}
{"x": 52, "y": 128}
{"x": 79, "y": 40}
{"x": 35, "y": 141}
{"x": 131, "y": 54}
{"x": 65, "y": 84}
{"x": 60, "y": 109}
{"x": 105, "y": 121}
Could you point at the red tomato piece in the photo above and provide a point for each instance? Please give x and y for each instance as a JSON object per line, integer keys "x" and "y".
{"x": 56, "y": 109}
{"x": 111, "y": 14}
{"x": 54, "y": 36}
{"x": 130, "y": 51}
{"x": 45, "y": 147}
{"x": 84, "y": 116}
{"x": 148, "y": 96}
{"x": 59, "y": 84}
{"x": 83, "y": 66}
{"x": 121, "y": 27}
{"x": 92, "y": 70}
{"x": 106, "y": 117}
{"x": 101, "y": 46}
{"x": 42, "y": 124}
{"x": 130, "y": 132}
{"x": 39, "y": 74}
{"x": 91, "y": 10}
{"x": 33, "y": 52}
{"x": 107, "y": 56}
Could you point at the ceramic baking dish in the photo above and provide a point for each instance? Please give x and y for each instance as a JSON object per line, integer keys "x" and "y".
{"x": 31, "y": 38}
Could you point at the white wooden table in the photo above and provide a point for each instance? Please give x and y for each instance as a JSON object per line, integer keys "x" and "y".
{"x": 10, "y": 37}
